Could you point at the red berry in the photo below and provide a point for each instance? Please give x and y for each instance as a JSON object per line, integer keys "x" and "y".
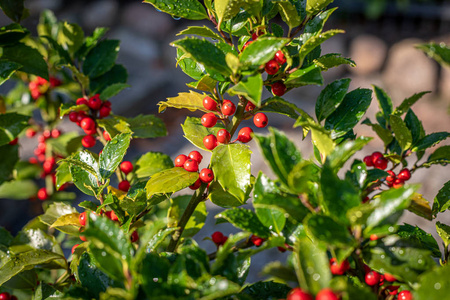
{"x": 134, "y": 236}
{"x": 393, "y": 289}
{"x": 209, "y": 103}
{"x": 391, "y": 176}
{"x": 104, "y": 111}
{"x": 196, "y": 185}
{"x": 210, "y": 142}
{"x": 106, "y": 136}
{"x": 279, "y": 57}
{"x": 48, "y": 165}
{"x": 73, "y": 116}
{"x": 223, "y": 136}
{"x": 81, "y": 101}
{"x": 88, "y": 141}
{"x": 87, "y": 124}
{"x": 272, "y": 67}
{"x": 75, "y": 247}
{"x": 95, "y": 102}
{"x": 206, "y": 175}
{"x": 54, "y": 82}
{"x": 405, "y": 295}
{"x": 107, "y": 103}
{"x": 260, "y": 120}
{"x": 380, "y": 163}
{"x": 246, "y": 45}
{"x": 338, "y": 268}
{"x": 195, "y": 155}
{"x": 255, "y": 35}
{"x": 368, "y": 161}
{"x": 55, "y": 133}
{"x": 209, "y": 120}
{"x": 82, "y": 237}
{"x": 217, "y": 237}
{"x": 278, "y": 88}
{"x": 282, "y": 249}
{"x": 398, "y": 183}
{"x": 228, "y": 108}
{"x": 373, "y": 237}
{"x": 126, "y": 167}
{"x": 376, "y": 155}
{"x": 33, "y": 160}
{"x": 14, "y": 141}
{"x": 5, "y": 296}
{"x": 180, "y": 160}
{"x": 81, "y": 115}
{"x": 42, "y": 194}
{"x": 389, "y": 277}
{"x": 256, "y": 240}
{"x": 245, "y": 135}
{"x": 250, "y": 106}
{"x": 404, "y": 174}
{"x": 298, "y": 294}
{"x": 326, "y": 294}
{"x": 191, "y": 165}
{"x": 30, "y": 132}
{"x": 124, "y": 185}
{"x": 82, "y": 218}
{"x": 372, "y": 278}
{"x": 113, "y": 216}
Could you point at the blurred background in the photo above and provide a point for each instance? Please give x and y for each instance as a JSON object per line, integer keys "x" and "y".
{"x": 380, "y": 37}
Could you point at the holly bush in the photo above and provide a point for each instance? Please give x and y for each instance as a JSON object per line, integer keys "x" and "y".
{"x": 335, "y": 215}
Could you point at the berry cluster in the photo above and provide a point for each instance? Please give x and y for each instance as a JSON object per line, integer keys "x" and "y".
{"x": 339, "y": 268}
{"x": 397, "y": 181}
{"x": 299, "y": 294}
{"x": 218, "y": 238}
{"x": 376, "y": 160}
{"x": 7, "y": 296}
{"x": 39, "y": 86}
{"x": 256, "y": 240}
{"x": 373, "y": 278}
{"x": 98, "y": 109}
{"x": 190, "y": 163}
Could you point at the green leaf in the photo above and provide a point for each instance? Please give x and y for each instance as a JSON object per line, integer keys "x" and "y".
{"x": 18, "y": 189}
{"x": 289, "y": 13}
{"x": 384, "y": 134}
{"x": 331, "y": 60}
{"x": 91, "y": 277}
{"x": 315, "y": 6}
{"x": 250, "y": 87}
{"x": 113, "y": 90}
{"x": 187, "y": 9}
{"x": 270, "y": 290}
{"x": 227, "y": 9}
{"x": 222, "y": 198}
{"x": 439, "y": 52}
{"x": 407, "y": 103}
{"x": 54, "y": 211}
{"x": 315, "y": 41}
{"x": 311, "y": 265}
{"x": 101, "y": 58}
{"x": 194, "y": 131}
{"x": 415, "y": 126}
{"x": 192, "y": 101}
{"x": 14, "y": 9}
{"x": 442, "y": 200}
{"x": 343, "y": 152}
{"x": 151, "y": 163}
{"x": 116, "y": 74}
{"x": 309, "y": 75}
{"x": 430, "y": 140}
{"x": 384, "y": 101}
{"x": 154, "y": 266}
{"x": 303, "y": 178}
{"x": 84, "y": 171}
{"x": 401, "y": 131}
{"x": 63, "y": 174}
{"x": 201, "y": 31}
{"x": 246, "y": 220}
{"x": 351, "y": 288}
{"x": 231, "y": 166}
{"x": 277, "y": 270}
{"x": 444, "y": 232}
{"x": 112, "y": 154}
{"x": 434, "y": 284}
{"x": 403, "y": 258}
{"x": 12, "y": 33}
{"x": 261, "y": 51}
{"x": 70, "y": 37}
{"x": 420, "y": 207}
{"x": 169, "y": 181}
{"x": 46, "y": 291}
{"x": 31, "y": 60}
{"x": 330, "y": 98}
{"x": 206, "y": 53}
{"x": 440, "y": 156}
{"x": 69, "y": 223}
{"x": 349, "y": 113}
{"x": 5, "y": 237}
{"x": 196, "y": 221}
{"x": 7, "y": 165}
{"x": 316, "y": 25}
{"x": 280, "y": 106}
{"x": 146, "y": 126}
{"x": 206, "y": 83}
{"x": 426, "y": 240}
{"x": 321, "y": 138}
{"x": 11, "y": 125}
{"x": 7, "y": 68}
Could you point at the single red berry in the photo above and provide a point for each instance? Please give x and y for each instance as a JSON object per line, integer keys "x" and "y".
{"x": 255, "y": 35}
{"x": 209, "y": 120}
{"x": 380, "y": 163}
{"x": 209, "y": 103}
{"x": 196, "y": 185}
{"x": 398, "y": 183}
{"x": 124, "y": 185}
{"x": 298, "y": 294}
{"x": 56, "y": 133}
{"x": 95, "y": 102}
{"x": 272, "y": 67}
{"x": 206, "y": 175}
{"x": 404, "y": 174}
{"x": 217, "y": 238}
{"x": 249, "y": 106}
{"x": 195, "y": 155}
{"x": 393, "y": 289}
{"x": 81, "y": 101}
{"x": 372, "y": 278}
{"x": 107, "y": 103}
{"x": 405, "y": 295}
{"x": 106, "y": 136}
{"x": 282, "y": 249}
{"x": 245, "y": 135}
{"x": 210, "y": 141}
{"x": 82, "y": 218}
{"x": 376, "y": 155}
{"x": 338, "y": 268}
{"x": 256, "y": 240}
{"x": 48, "y": 165}
{"x": 191, "y": 165}
{"x": 54, "y": 82}
{"x": 278, "y": 88}
{"x": 81, "y": 115}
{"x": 391, "y": 176}
{"x": 126, "y": 167}
{"x": 228, "y": 108}
{"x": 326, "y": 294}
{"x": 134, "y": 236}
{"x": 75, "y": 247}
{"x": 389, "y": 277}
{"x": 5, "y": 296}
{"x": 373, "y": 237}
{"x": 87, "y": 124}
{"x": 223, "y": 136}
{"x": 104, "y": 111}
{"x": 33, "y": 160}
{"x": 73, "y": 116}
{"x": 113, "y": 216}
{"x": 42, "y": 194}
{"x": 246, "y": 45}
{"x": 368, "y": 161}
{"x": 260, "y": 120}
{"x": 14, "y": 141}
{"x": 381, "y": 282}
{"x": 279, "y": 57}
{"x": 88, "y": 141}
{"x": 30, "y": 132}
{"x": 180, "y": 160}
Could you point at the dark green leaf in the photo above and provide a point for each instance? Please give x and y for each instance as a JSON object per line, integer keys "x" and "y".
{"x": 151, "y": 163}
{"x": 289, "y": 13}
{"x": 444, "y": 232}
{"x": 343, "y": 152}
{"x": 70, "y": 37}
{"x": 12, "y": 33}
{"x": 277, "y": 30}
{"x": 101, "y": 58}
{"x": 401, "y": 131}
{"x": 261, "y": 51}
{"x": 25, "y": 280}
{"x": 14, "y": 9}
{"x": 350, "y": 288}
{"x": 201, "y": 31}
{"x": 331, "y": 60}
{"x": 384, "y": 101}
{"x": 91, "y": 277}
{"x": 7, "y": 165}
{"x": 440, "y": 156}
{"x": 113, "y": 90}
{"x": 270, "y": 290}
{"x": 434, "y": 284}
{"x": 316, "y": 25}
{"x": 314, "y": 6}
{"x": 11, "y": 125}
{"x": 169, "y": 181}
{"x": 439, "y": 52}
{"x": 280, "y": 106}
{"x": 85, "y": 172}
{"x": 117, "y": 74}
{"x": 415, "y": 126}
{"x": 407, "y": 103}
{"x": 309, "y": 75}
{"x": 430, "y": 140}
{"x": 188, "y": 9}
{"x": 46, "y": 291}
{"x": 246, "y": 220}
{"x": 153, "y": 266}
{"x": 442, "y": 201}
{"x": 222, "y": 198}
{"x": 31, "y": 60}
{"x": 176, "y": 210}
{"x": 7, "y": 68}
{"x": 18, "y": 189}
{"x": 63, "y": 174}
{"x": 146, "y": 126}
{"x": 280, "y": 271}
{"x": 5, "y": 237}
{"x": 112, "y": 154}
{"x": 330, "y": 98}
{"x": 315, "y": 41}
{"x": 426, "y": 240}
{"x": 250, "y": 87}
{"x": 384, "y": 134}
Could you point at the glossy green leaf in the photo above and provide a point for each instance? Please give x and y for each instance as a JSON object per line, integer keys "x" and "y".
{"x": 206, "y": 83}
{"x": 309, "y": 75}
{"x": 7, "y": 68}
{"x": 330, "y": 98}
{"x": 70, "y": 36}
{"x": 222, "y": 198}
{"x": 112, "y": 154}
{"x": 154, "y": 266}
{"x": 246, "y": 220}
{"x": 426, "y": 240}
{"x": 227, "y": 9}
{"x": 15, "y": 9}
{"x": 316, "y": 25}
{"x": 384, "y": 134}
{"x": 85, "y": 172}
{"x": 68, "y": 223}
{"x": 440, "y": 156}
{"x": 7, "y": 165}
{"x": 231, "y": 166}
{"x": 421, "y": 207}
{"x": 63, "y": 174}
{"x": 315, "y": 41}
{"x": 5, "y": 237}
{"x": 116, "y": 74}
{"x": 439, "y": 52}
{"x": 384, "y": 101}
{"x": 197, "y": 220}
{"x": 206, "y": 53}
{"x": 261, "y": 51}
{"x": 151, "y": 163}
{"x": 289, "y": 13}
{"x": 18, "y": 189}
{"x": 201, "y": 31}
{"x": 315, "y": 6}
{"x": 249, "y": 87}
{"x": 54, "y": 211}
{"x": 444, "y": 232}
{"x": 434, "y": 284}
{"x": 113, "y": 90}
{"x": 277, "y": 270}
{"x": 91, "y": 277}
{"x": 304, "y": 177}
{"x": 31, "y": 60}
{"x": 311, "y": 265}
{"x": 349, "y": 113}
{"x": 169, "y": 181}
{"x": 430, "y": 140}
{"x": 146, "y": 126}
{"x": 331, "y": 60}
{"x": 12, "y": 33}
{"x": 343, "y": 152}
{"x": 187, "y": 9}
{"x": 321, "y": 138}
{"x": 401, "y": 131}
{"x": 407, "y": 103}
{"x": 280, "y": 106}
{"x": 328, "y": 231}
{"x": 46, "y": 291}
{"x": 442, "y": 200}
{"x": 11, "y": 125}
{"x": 414, "y": 125}
{"x": 192, "y": 101}
{"x": 270, "y": 290}
{"x": 101, "y": 58}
